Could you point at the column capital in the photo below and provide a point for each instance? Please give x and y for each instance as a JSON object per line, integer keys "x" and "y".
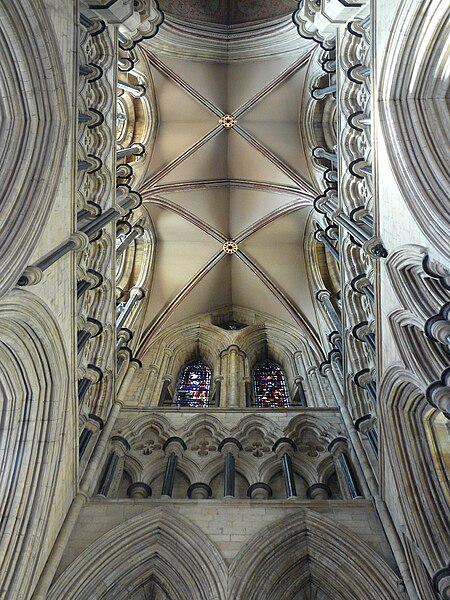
{"x": 362, "y": 378}
{"x": 332, "y": 231}
{"x": 338, "y": 445}
{"x": 319, "y": 235}
{"x": 124, "y": 171}
{"x": 31, "y": 275}
{"x": 138, "y": 292}
{"x": 230, "y": 444}
{"x": 199, "y": 491}
{"x": 333, "y": 337}
{"x": 139, "y": 490}
{"x": 375, "y": 247}
{"x": 322, "y": 295}
{"x": 318, "y": 491}
{"x": 97, "y": 420}
{"x": 441, "y": 582}
{"x": 120, "y": 443}
{"x": 123, "y": 227}
{"x": 95, "y": 374}
{"x": 324, "y": 367}
{"x": 176, "y": 445}
{"x": 438, "y": 394}
{"x": 93, "y": 326}
{"x": 364, "y": 423}
{"x": 334, "y": 354}
{"x": 80, "y": 241}
{"x": 437, "y": 328}
{"x": 361, "y": 330}
{"x": 284, "y": 446}
{"x": 139, "y": 230}
{"x": 125, "y": 353}
{"x": 259, "y": 491}
{"x": 135, "y": 363}
{"x": 94, "y": 278}
{"x": 359, "y": 282}
{"x": 233, "y": 349}
{"x": 125, "y": 335}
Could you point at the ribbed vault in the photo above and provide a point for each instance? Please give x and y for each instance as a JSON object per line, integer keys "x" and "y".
{"x": 207, "y": 184}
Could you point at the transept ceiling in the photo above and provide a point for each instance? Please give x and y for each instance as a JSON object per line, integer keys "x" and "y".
{"x": 207, "y": 184}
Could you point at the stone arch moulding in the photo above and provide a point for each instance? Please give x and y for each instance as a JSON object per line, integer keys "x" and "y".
{"x": 34, "y": 130}
{"x": 307, "y": 548}
{"x": 35, "y": 404}
{"x": 156, "y": 542}
{"x": 414, "y": 114}
{"x": 403, "y": 411}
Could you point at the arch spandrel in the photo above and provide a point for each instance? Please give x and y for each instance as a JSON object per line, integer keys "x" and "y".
{"x": 304, "y": 547}
{"x": 157, "y": 541}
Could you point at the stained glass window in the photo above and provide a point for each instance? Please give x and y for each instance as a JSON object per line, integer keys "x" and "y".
{"x": 269, "y": 386}
{"x": 194, "y": 385}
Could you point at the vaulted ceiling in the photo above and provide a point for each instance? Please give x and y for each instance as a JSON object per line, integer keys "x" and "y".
{"x": 227, "y": 12}
{"x": 206, "y": 184}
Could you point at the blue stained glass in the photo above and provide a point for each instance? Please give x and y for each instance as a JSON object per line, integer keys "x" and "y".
{"x": 269, "y": 386}
{"x": 194, "y": 385}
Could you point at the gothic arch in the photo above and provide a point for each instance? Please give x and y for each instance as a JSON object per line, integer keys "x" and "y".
{"x": 37, "y": 402}
{"x": 408, "y": 278}
{"x": 416, "y": 124}
{"x": 419, "y": 354}
{"x": 403, "y": 411}
{"x": 137, "y": 428}
{"x": 300, "y": 423}
{"x": 307, "y": 548}
{"x": 156, "y": 542}
{"x": 34, "y": 144}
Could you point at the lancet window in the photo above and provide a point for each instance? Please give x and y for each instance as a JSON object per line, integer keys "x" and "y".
{"x": 194, "y": 385}
{"x": 269, "y": 386}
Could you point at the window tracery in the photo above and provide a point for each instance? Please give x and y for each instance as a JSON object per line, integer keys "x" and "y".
{"x": 194, "y": 385}
{"x": 269, "y": 386}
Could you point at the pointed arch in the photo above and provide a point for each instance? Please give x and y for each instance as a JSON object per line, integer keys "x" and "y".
{"x": 307, "y": 548}
{"x": 194, "y": 385}
{"x": 269, "y": 385}
{"x": 36, "y": 404}
{"x": 158, "y": 543}
{"x": 404, "y": 415}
